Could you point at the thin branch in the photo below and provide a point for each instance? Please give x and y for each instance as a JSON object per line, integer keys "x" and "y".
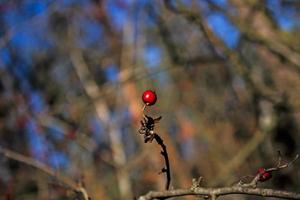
{"x": 147, "y": 129}
{"x": 280, "y": 165}
{"x": 46, "y": 169}
{"x": 220, "y": 192}
{"x": 164, "y": 153}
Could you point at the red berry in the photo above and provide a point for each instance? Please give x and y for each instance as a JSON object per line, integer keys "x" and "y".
{"x": 264, "y": 175}
{"x": 261, "y": 170}
{"x": 149, "y": 97}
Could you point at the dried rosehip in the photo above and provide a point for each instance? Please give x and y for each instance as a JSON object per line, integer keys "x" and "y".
{"x": 264, "y": 175}
{"x": 149, "y": 97}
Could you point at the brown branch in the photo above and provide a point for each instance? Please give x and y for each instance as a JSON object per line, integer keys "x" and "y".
{"x": 235, "y": 58}
{"x": 216, "y": 192}
{"x": 214, "y": 43}
{"x": 280, "y": 165}
{"x": 78, "y": 188}
{"x": 164, "y": 153}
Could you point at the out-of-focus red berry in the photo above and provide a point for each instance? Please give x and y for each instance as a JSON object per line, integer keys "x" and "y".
{"x": 264, "y": 175}
{"x": 149, "y": 97}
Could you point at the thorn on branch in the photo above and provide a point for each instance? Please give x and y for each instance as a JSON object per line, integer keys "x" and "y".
{"x": 196, "y": 182}
{"x": 163, "y": 170}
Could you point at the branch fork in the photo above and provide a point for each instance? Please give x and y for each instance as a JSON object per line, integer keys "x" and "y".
{"x": 279, "y": 166}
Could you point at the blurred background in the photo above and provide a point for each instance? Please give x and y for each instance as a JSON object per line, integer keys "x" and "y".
{"x": 72, "y": 72}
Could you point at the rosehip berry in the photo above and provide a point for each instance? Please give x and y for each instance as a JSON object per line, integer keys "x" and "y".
{"x": 264, "y": 175}
{"x": 149, "y": 97}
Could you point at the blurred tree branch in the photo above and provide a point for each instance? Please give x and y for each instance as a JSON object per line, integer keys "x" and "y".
{"x": 172, "y": 48}
{"x": 262, "y": 37}
{"x": 241, "y": 67}
{"x": 93, "y": 92}
{"x": 77, "y": 187}
{"x": 235, "y": 58}
{"x": 6, "y": 37}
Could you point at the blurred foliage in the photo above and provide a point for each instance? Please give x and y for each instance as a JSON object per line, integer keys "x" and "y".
{"x": 72, "y": 73}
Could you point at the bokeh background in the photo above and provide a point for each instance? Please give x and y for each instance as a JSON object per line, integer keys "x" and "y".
{"x": 72, "y": 72}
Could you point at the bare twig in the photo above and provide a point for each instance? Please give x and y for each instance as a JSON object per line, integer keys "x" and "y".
{"x": 196, "y": 182}
{"x": 281, "y": 165}
{"x": 164, "y": 153}
{"x": 147, "y": 129}
{"x": 239, "y": 66}
{"x": 278, "y": 167}
{"x": 78, "y": 188}
{"x": 216, "y": 192}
